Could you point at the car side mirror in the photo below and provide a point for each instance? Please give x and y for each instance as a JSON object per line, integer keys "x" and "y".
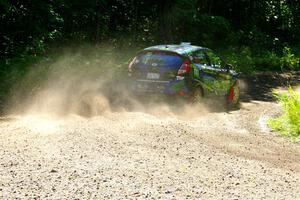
{"x": 228, "y": 66}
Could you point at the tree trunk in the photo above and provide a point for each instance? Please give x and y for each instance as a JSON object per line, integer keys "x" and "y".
{"x": 210, "y": 7}
{"x": 165, "y": 23}
{"x": 135, "y": 16}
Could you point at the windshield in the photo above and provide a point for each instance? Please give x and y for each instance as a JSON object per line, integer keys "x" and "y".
{"x": 161, "y": 59}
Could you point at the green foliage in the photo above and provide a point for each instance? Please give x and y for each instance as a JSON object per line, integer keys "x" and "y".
{"x": 289, "y": 60}
{"x": 214, "y": 30}
{"x": 28, "y": 27}
{"x": 267, "y": 61}
{"x": 12, "y": 71}
{"x": 247, "y": 62}
{"x": 240, "y": 58}
{"x": 288, "y": 123}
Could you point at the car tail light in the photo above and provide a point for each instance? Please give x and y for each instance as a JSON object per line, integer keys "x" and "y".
{"x": 181, "y": 93}
{"x": 185, "y": 68}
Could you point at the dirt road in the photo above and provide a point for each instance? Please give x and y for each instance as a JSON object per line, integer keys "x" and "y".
{"x": 149, "y": 155}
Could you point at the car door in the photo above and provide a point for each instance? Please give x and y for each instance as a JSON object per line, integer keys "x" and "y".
{"x": 216, "y": 77}
{"x": 200, "y": 60}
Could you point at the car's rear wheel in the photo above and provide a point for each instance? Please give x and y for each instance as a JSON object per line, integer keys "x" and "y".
{"x": 197, "y": 95}
{"x": 90, "y": 103}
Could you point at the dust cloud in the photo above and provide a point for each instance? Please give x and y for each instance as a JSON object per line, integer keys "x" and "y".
{"x": 89, "y": 82}
{"x": 73, "y": 83}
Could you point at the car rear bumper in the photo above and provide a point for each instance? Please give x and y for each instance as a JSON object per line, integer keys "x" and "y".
{"x": 170, "y": 87}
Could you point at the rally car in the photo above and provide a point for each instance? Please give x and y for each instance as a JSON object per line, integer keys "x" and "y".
{"x": 183, "y": 70}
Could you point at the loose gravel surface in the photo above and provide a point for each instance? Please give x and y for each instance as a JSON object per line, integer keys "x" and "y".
{"x": 134, "y": 155}
{"x": 142, "y": 155}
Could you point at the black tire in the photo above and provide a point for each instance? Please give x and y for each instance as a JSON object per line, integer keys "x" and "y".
{"x": 90, "y": 103}
{"x": 197, "y": 95}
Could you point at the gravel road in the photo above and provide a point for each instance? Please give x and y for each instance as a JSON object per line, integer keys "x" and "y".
{"x": 149, "y": 155}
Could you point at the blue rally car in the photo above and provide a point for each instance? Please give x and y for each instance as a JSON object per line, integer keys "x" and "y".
{"x": 183, "y": 70}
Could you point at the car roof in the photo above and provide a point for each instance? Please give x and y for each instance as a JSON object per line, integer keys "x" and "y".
{"x": 182, "y": 49}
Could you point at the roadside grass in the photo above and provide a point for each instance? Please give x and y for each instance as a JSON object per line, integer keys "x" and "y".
{"x": 249, "y": 60}
{"x": 288, "y": 123}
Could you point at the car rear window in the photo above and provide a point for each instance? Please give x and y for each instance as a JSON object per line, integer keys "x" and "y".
{"x": 158, "y": 59}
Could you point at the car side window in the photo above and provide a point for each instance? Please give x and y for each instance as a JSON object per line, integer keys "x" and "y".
{"x": 199, "y": 57}
{"x": 215, "y": 61}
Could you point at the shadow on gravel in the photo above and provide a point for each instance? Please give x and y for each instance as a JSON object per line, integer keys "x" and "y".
{"x": 259, "y": 87}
